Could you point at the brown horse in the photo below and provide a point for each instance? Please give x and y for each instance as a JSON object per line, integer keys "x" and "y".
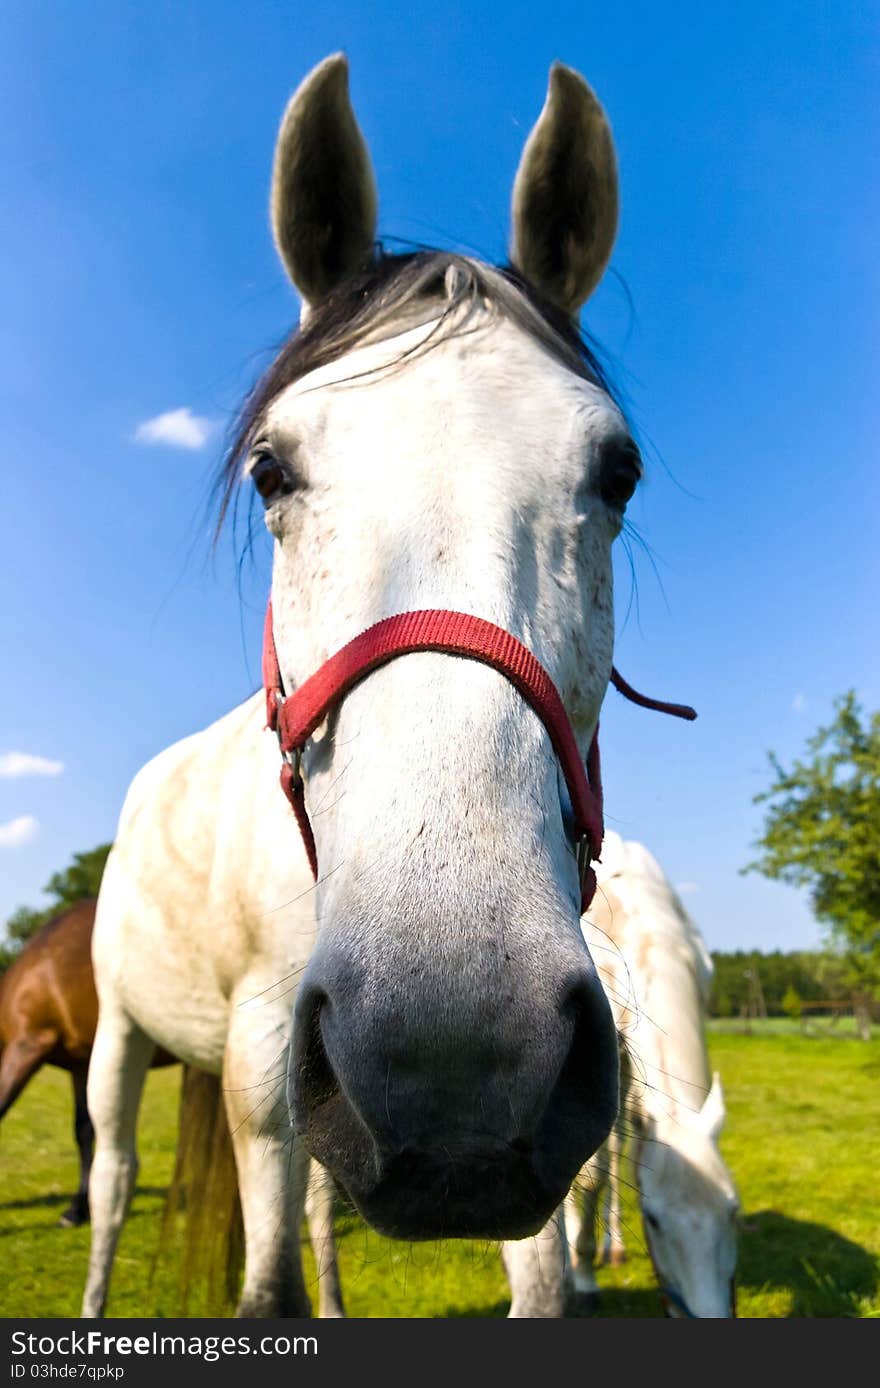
{"x": 48, "y": 1016}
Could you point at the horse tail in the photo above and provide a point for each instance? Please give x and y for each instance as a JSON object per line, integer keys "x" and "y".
{"x": 204, "y": 1187}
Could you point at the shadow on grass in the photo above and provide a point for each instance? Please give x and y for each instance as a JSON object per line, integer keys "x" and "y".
{"x": 619, "y": 1302}
{"x": 613, "y": 1302}
{"x": 826, "y": 1273}
{"x": 49, "y": 1201}
{"x": 493, "y": 1312}
{"x": 52, "y": 1202}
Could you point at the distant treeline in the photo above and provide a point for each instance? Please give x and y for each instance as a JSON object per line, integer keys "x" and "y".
{"x": 749, "y": 983}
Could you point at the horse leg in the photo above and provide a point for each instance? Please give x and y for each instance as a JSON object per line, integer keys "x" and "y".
{"x": 20, "y": 1060}
{"x": 320, "y": 1198}
{"x": 537, "y": 1270}
{"x": 581, "y": 1210}
{"x": 613, "y": 1250}
{"x": 273, "y": 1169}
{"x": 78, "y": 1211}
{"x": 118, "y": 1068}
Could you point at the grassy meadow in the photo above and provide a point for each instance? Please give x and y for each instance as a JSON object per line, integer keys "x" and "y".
{"x": 802, "y": 1139}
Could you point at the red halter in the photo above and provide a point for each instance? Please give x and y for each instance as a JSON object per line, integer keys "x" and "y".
{"x": 295, "y": 717}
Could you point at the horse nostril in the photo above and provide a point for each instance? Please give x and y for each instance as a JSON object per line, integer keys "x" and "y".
{"x": 313, "y": 1082}
{"x": 521, "y": 1145}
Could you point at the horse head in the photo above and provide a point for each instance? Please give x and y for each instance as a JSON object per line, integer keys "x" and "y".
{"x": 689, "y": 1206}
{"x": 436, "y": 436}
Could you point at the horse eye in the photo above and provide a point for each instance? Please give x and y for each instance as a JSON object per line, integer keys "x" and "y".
{"x": 620, "y": 472}
{"x": 268, "y": 476}
{"x": 652, "y": 1220}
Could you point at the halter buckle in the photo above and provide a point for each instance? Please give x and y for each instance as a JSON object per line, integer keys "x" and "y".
{"x": 293, "y": 758}
{"x": 583, "y": 855}
{"x": 294, "y": 761}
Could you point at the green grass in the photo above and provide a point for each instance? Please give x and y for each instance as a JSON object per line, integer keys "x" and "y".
{"x": 809, "y": 1025}
{"x": 801, "y": 1140}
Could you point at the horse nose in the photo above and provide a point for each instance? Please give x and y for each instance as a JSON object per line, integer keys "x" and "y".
{"x": 437, "y": 1135}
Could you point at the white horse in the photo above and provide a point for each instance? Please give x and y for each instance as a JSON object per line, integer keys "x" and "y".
{"x": 436, "y": 436}
{"x": 657, "y": 972}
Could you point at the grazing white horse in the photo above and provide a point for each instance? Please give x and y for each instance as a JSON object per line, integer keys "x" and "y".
{"x": 675, "y": 1106}
{"x": 435, "y": 436}
{"x": 657, "y": 973}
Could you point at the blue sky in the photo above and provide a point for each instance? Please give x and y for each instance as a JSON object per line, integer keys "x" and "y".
{"x": 138, "y": 279}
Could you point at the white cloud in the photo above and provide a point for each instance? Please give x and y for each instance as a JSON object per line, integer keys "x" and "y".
{"x": 799, "y": 703}
{"x": 687, "y": 888}
{"x": 14, "y": 764}
{"x": 18, "y": 831}
{"x": 176, "y": 429}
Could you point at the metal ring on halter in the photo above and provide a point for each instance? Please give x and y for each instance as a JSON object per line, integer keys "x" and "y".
{"x": 294, "y": 758}
{"x": 583, "y": 857}
{"x": 294, "y": 761}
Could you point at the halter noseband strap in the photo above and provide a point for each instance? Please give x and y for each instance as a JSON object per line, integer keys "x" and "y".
{"x": 295, "y": 717}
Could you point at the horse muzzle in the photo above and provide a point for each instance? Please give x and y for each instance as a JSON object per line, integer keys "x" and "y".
{"x": 480, "y": 1139}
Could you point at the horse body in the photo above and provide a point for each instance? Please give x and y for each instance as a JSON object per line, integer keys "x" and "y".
{"x": 435, "y": 435}
{"x": 658, "y": 972}
{"x": 199, "y": 940}
{"x": 48, "y": 1004}
{"x": 48, "y": 1016}
{"x": 197, "y": 913}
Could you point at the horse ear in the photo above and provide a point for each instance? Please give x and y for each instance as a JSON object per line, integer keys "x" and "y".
{"x": 323, "y": 204}
{"x": 565, "y": 194}
{"x": 713, "y": 1112}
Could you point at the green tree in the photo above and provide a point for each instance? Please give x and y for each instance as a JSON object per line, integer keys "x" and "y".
{"x": 79, "y": 880}
{"x": 832, "y": 975}
{"x": 792, "y": 1003}
{"x": 822, "y": 832}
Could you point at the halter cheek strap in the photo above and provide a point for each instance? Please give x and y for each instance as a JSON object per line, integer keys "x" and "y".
{"x": 296, "y": 716}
